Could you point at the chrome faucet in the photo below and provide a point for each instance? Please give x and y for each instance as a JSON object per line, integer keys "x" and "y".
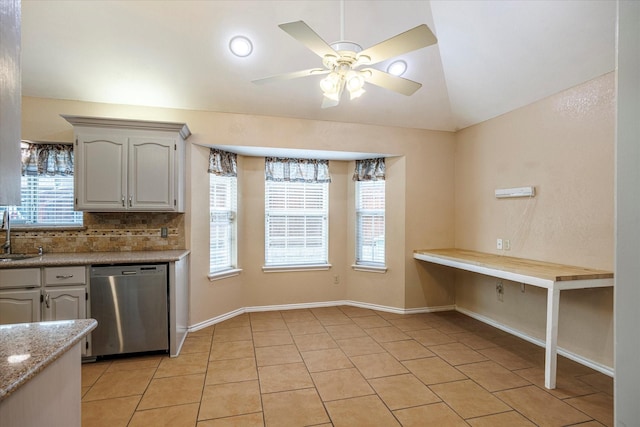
{"x": 6, "y": 225}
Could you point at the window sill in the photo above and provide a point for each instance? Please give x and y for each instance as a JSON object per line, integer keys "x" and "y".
{"x": 224, "y": 274}
{"x": 369, "y": 268}
{"x": 287, "y": 268}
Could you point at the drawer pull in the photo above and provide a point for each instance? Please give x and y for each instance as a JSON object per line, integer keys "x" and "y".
{"x": 64, "y": 276}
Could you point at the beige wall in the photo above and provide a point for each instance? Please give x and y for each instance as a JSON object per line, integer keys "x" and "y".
{"x": 419, "y": 205}
{"x": 439, "y": 194}
{"x": 564, "y": 146}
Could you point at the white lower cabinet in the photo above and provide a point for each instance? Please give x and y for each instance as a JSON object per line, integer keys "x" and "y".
{"x": 20, "y": 295}
{"x": 66, "y": 303}
{"x": 64, "y": 296}
{"x": 19, "y": 306}
{"x": 44, "y": 294}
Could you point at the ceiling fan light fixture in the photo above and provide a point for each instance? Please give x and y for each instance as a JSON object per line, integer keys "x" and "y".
{"x": 397, "y": 68}
{"x": 355, "y": 81}
{"x": 355, "y": 84}
{"x": 331, "y": 83}
{"x": 241, "y": 46}
{"x": 332, "y": 96}
{"x": 353, "y": 94}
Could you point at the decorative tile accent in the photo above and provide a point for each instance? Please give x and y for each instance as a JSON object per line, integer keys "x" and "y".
{"x": 106, "y": 232}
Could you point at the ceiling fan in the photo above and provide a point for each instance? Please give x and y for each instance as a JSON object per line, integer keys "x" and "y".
{"x": 343, "y": 61}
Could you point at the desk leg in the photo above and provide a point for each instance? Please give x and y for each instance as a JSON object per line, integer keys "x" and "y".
{"x": 551, "y": 345}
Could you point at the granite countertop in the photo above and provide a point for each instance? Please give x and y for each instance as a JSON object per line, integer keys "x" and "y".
{"x": 28, "y": 348}
{"x": 88, "y": 258}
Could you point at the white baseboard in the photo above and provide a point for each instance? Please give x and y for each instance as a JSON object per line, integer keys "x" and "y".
{"x": 321, "y": 304}
{"x": 607, "y": 370}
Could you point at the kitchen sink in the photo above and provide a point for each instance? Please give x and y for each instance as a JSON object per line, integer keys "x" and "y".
{"x": 16, "y": 257}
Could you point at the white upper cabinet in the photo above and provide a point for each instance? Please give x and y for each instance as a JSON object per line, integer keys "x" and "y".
{"x": 129, "y": 165}
{"x": 151, "y": 174}
{"x": 10, "y": 102}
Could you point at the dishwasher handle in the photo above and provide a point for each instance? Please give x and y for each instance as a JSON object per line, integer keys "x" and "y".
{"x": 129, "y": 272}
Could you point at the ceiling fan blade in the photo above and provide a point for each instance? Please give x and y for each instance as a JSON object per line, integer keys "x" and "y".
{"x": 391, "y": 82}
{"x": 293, "y": 75}
{"x": 413, "y": 39}
{"x": 305, "y": 35}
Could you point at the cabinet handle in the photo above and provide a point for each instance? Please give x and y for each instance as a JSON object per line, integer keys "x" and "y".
{"x": 130, "y": 201}
{"x": 123, "y": 201}
{"x": 64, "y": 276}
{"x": 46, "y": 300}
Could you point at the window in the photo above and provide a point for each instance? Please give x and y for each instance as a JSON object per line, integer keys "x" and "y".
{"x": 370, "y": 219}
{"x": 296, "y": 212}
{"x": 45, "y": 201}
{"x": 223, "y": 197}
{"x": 369, "y": 175}
{"x": 296, "y": 223}
{"x": 46, "y": 187}
{"x": 222, "y": 226}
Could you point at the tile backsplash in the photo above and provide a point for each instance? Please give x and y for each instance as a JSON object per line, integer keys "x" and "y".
{"x": 105, "y": 232}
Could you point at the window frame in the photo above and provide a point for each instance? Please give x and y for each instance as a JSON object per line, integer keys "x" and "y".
{"x": 369, "y": 264}
{"x": 289, "y": 187}
{"x": 231, "y": 234}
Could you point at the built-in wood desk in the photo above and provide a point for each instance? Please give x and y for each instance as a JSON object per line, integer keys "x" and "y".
{"x": 553, "y": 277}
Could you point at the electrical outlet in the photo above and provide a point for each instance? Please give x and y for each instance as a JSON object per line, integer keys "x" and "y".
{"x": 507, "y": 245}
{"x": 164, "y": 232}
{"x": 499, "y": 244}
{"x": 336, "y": 280}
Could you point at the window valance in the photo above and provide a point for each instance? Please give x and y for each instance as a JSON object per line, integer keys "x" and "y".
{"x": 296, "y": 170}
{"x": 47, "y": 159}
{"x": 222, "y": 163}
{"x": 370, "y": 170}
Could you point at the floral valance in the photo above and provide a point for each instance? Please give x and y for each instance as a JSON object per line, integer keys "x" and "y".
{"x": 296, "y": 170}
{"x": 222, "y": 163}
{"x": 370, "y": 170}
{"x": 47, "y": 159}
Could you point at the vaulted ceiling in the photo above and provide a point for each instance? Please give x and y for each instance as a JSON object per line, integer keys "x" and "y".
{"x": 491, "y": 56}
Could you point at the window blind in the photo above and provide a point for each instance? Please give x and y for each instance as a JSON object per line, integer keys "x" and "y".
{"x": 296, "y": 223}
{"x": 222, "y": 212}
{"x": 370, "y": 222}
{"x": 46, "y": 201}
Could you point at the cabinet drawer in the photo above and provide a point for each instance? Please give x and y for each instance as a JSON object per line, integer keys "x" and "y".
{"x": 56, "y": 276}
{"x": 20, "y": 278}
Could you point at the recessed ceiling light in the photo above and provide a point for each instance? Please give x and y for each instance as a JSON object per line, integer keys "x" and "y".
{"x": 397, "y": 68}
{"x": 241, "y": 46}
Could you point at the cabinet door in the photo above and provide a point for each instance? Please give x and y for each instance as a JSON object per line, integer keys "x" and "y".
{"x": 152, "y": 173}
{"x": 100, "y": 172}
{"x": 19, "y": 306}
{"x": 66, "y": 303}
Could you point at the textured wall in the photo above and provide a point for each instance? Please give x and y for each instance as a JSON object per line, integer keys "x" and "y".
{"x": 564, "y": 146}
{"x": 421, "y": 214}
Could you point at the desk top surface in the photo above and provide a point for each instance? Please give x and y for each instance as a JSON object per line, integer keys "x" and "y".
{"x": 526, "y": 267}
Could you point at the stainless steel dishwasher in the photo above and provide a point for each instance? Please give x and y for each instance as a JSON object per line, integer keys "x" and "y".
{"x": 130, "y": 304}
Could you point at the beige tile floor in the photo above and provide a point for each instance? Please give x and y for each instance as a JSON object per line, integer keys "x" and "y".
{"x": 345, "y": 366}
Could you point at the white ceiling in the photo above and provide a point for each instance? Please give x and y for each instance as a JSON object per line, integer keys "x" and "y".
{"x": 491, "y": 56}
